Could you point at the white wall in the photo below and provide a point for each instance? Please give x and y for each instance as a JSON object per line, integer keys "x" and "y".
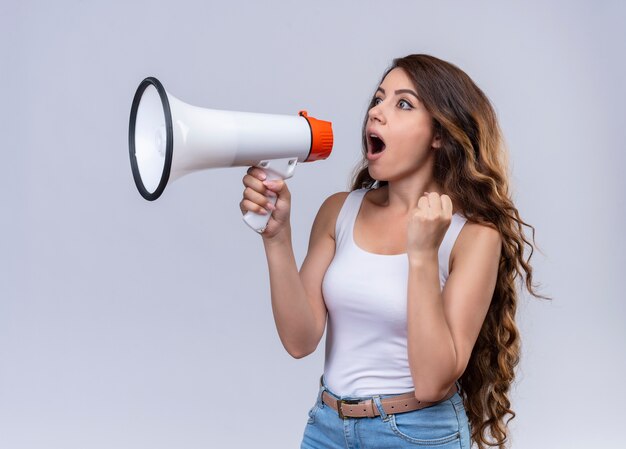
{"x": 129, "y": 324}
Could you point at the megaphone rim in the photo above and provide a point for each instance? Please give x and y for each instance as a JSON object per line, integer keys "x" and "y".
{"x": 169, "y": 142}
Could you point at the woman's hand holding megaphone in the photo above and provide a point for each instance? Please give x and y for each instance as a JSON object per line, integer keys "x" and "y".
{"x": 257, "y": 198}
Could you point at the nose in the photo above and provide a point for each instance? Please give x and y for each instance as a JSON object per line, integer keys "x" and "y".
{"x": 376, "y": 113}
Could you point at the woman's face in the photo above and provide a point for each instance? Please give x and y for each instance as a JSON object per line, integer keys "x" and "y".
{"x": 400, "y": 126}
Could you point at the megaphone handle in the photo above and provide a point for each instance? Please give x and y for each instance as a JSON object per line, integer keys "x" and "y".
{"x": 275, "y": 169}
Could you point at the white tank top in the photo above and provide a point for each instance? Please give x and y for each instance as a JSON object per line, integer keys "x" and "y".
{"x": 366, "y": 298}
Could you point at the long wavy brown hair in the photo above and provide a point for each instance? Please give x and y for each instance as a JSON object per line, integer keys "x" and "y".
{"x": 472, "y": 167}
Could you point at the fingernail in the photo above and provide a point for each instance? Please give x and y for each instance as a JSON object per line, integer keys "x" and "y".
{"x": 268, "y": 183}
{"x": 262, "y": 176}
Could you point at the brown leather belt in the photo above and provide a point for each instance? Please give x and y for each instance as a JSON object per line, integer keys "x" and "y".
{"x": 406, "y": 402}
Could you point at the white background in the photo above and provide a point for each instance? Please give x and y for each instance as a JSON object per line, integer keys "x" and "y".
{"x": 131, "y": 324}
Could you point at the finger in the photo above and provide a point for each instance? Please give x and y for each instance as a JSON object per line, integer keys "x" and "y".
{"x": 249, "y": 206}
{"x": 257, "y": 173}
{"x": 255, "y": 197}
{"x": 422, "y": 203}
{"x": 254, "y": 183}
{"x": 435, "y": 201}
{"x": 446, "y": 204}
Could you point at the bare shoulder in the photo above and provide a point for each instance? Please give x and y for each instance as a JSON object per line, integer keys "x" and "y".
{"x": 476, "y": 237}
{"x": 329, "y": 211}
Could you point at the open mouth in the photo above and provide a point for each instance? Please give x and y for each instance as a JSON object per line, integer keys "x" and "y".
{"x": 376, "y": 144}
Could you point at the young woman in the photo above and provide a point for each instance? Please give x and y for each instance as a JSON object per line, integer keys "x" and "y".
{"x": 413, "y": 269}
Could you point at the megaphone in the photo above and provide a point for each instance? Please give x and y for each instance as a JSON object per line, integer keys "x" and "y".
{"x": 169, "y": 138}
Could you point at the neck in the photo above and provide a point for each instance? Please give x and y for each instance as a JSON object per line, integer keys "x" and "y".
{"x": 401, "y": 196}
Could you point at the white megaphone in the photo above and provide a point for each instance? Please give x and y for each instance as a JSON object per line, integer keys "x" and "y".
{"x": 169, "y": 138}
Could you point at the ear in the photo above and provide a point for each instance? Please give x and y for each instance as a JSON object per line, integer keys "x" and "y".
{"x": 436, "y": 142}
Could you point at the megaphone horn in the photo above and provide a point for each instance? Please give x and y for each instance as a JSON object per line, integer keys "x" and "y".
{"x": 168, "y": 139}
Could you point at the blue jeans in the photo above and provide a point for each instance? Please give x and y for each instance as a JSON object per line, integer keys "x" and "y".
{"x": 443, "y": 425}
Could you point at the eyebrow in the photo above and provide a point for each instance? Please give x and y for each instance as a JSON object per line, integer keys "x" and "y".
{"x": 400, "y": 91}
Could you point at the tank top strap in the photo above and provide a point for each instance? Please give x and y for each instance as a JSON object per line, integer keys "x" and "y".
{"x": 445, "y": 250}
{"x": 347, "y": 216}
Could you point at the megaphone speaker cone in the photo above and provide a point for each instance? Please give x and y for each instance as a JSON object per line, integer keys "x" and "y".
{"x": 150, "y": 138}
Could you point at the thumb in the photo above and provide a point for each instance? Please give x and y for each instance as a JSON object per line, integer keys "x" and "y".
{"x": 275, "y": 185}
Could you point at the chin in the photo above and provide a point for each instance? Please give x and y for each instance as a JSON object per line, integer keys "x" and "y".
{"x": 374, "y": 172}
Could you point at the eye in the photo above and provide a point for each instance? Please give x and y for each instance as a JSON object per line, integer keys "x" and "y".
{"x": 376, "y": 101}
{"x": 405, "y": 105}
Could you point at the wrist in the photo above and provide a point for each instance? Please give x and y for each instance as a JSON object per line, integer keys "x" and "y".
{"x": 421, "y": 258}
{"x": 279, "y": 239}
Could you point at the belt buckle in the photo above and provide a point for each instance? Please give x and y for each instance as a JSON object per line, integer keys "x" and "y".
{"x": 345, "y": 401}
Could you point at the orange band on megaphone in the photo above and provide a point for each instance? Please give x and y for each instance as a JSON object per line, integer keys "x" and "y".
{"x": 321, "y": 138}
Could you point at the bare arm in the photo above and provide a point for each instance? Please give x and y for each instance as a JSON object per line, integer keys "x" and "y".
{"x": 293, "y": 316}
{"x": 297, "y": 301}
{"x": 444, "y": 325}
